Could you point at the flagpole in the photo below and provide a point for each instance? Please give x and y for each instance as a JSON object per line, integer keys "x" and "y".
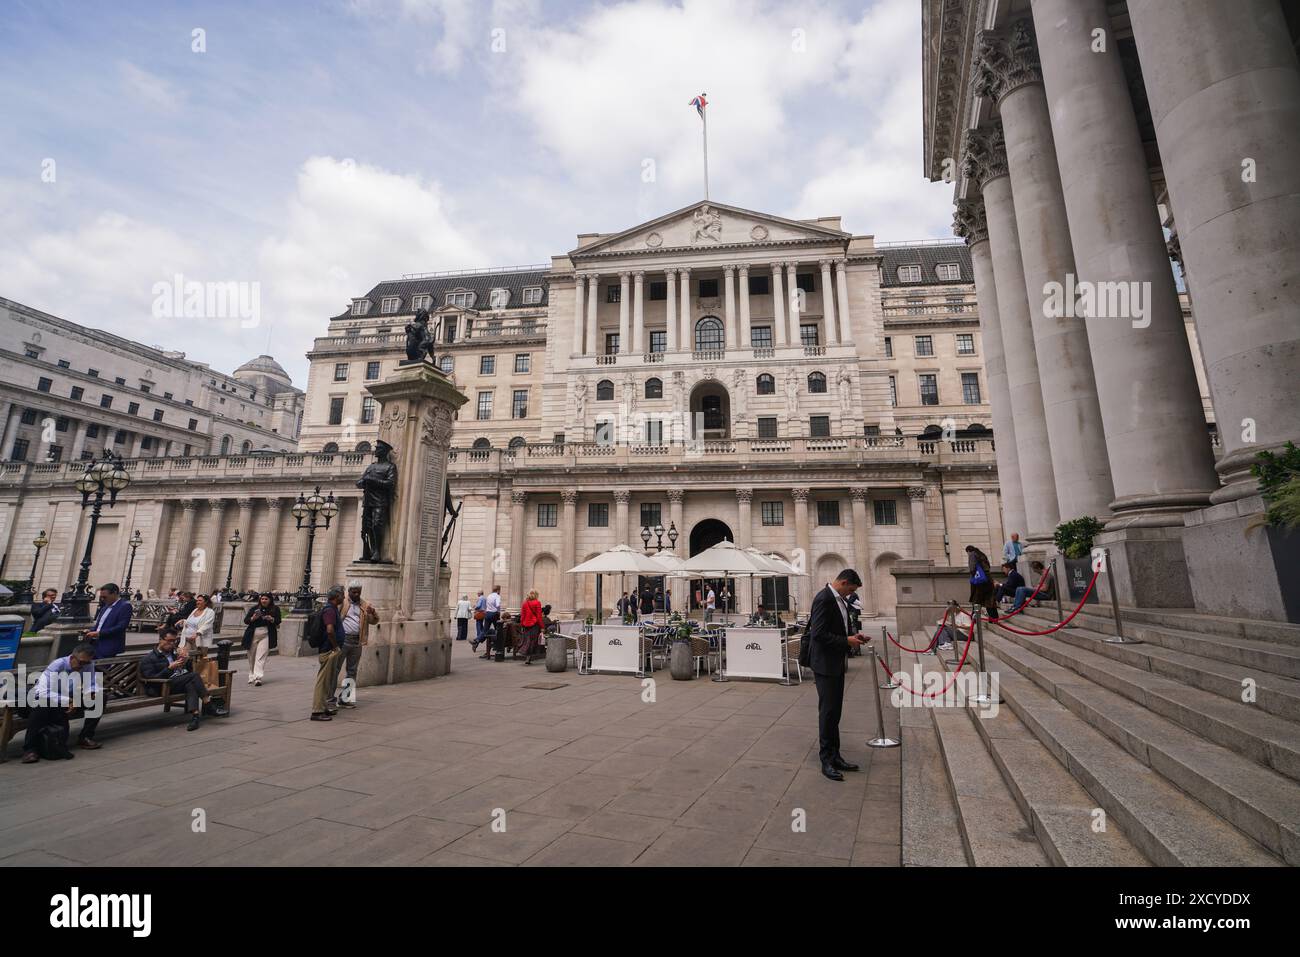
{"x": 705, "y": 114}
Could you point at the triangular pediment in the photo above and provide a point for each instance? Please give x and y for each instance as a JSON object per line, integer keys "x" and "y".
{"x": 703, "y": 225}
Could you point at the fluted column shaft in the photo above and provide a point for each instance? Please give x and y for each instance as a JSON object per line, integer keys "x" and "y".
{"x": 625, "y": 312}
{"x": 842, "y": 289}
{"x": 729, "y": 305}
{"x": 182, "y": 573}
{"x": 239, "y": 580}
{"x": 778, "y": 305}
{"x": 793, "y": 299}
{"x": 638, "y": 313}
{"x": 688, "y": 332}
{"x": 621, "y": 498}
{"x": 862, "y": 551}
{"x": 270, "y": 550}
{"x": 920, "y": 536}
{"x": 568, "y": 601}
{"x": 671, "y": 307}
{"x": 579, "y": 317}
{"x": 803, "y": 536}
{"x": 212, "y": 553}
{"x": 518, "y": 523}
{"x": 746, "y": 337}
{"x": 828, "y": 304}
{"x": 594, "y": 344}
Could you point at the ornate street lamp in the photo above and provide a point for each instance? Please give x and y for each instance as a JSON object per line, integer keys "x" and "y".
{"x": 306, "y": 511}
{"x": 28, "y": 594}
{"x": 235, "y": 542}
{"x": 105, "y": 475}
{"x": 658, "y": 534}
{"x": 135, "y": 542}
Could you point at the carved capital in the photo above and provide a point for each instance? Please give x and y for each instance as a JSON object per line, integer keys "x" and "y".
{"x": 518, "y": 497}
{"x": 859, "y": 493}
{"x": 1004, "y": 63}
{"x": 625, "y": 277}
{"x": 275, "y": 504}
{"x": 189, "y": 504}
{"x": 217, "y": 504}
{"x": 569, "y": 496}
{"x": 800, "y": 494}
{"x": 729, "y": 271}
{"x": 245, "y": 504}
{"x": 969, "y": 221}
{"x": 825, "y": 264}
{"x": 639, "y": 275}
{"x": 916, "y": 493}
{"x": 676, "y": 495}
{"x": 685, "y": 274}
{"x": 744, "y": 495}
{"x": 622, "y": 496}
{"x": 984, "y": 154}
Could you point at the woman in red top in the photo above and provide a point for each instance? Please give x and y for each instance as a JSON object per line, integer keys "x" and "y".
{"x": 530, "y": 618}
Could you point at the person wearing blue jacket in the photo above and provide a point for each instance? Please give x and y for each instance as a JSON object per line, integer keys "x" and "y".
{"x": 114, "y": 614}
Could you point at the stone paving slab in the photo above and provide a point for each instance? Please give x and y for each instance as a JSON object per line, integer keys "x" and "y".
{"x": 709, "y": 773}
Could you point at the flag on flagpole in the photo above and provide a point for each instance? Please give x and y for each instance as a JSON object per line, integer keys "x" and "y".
{"x": 700, "y": 103}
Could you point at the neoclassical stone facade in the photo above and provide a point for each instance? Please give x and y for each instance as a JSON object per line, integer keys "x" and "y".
{"x": 1090, "y": 142}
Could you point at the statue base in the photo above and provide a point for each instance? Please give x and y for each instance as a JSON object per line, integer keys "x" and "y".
{"x": 398, "y": 648}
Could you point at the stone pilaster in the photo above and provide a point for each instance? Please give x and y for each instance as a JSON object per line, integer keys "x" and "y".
{"x": 920, "y": 538}
{"x": 567, "y": 603}
{"x": 579, "y": 317}
{"x": 778, "y": 305}
{"x": 828, "y": 303}
{"x": 803, "y": 538}
{"x": 624, "y": 312}
{"x": 859, "y": 496}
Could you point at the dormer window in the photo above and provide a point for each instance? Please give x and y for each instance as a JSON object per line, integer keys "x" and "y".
{"x": 360, "y": 307}
{"x": 948, "y": 271}
{"x": 389, "y": 304}
{"x": 421, "y": 302}
{"x": 499, "y": 298}
{"x": 533, "y": 295}
{"x": 462, "y": 298}
{"x": 909, "y": 273}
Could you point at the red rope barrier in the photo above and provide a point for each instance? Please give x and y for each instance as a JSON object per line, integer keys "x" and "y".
{"x": 1041, "y": 582}
{"x": 952, "y": 679}
{"x": 921, "y": 651}
{"x": 1069, "y": 618}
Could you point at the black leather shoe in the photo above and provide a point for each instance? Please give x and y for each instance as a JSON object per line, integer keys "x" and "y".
{"x": 194, "y": 723}
{"x": 841, "y": 765}
{"x": 218, "y": 711}
{"x": 829, "y": 771}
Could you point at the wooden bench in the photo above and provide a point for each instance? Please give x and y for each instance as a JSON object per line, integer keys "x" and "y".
{"x": 125, "y": 690}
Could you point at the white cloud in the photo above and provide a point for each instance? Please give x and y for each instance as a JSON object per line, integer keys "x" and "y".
{"x": 148, "y": 87}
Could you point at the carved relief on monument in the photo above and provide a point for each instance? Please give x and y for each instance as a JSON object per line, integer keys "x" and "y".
{"x": 706, "y": 226}
{"x": 392, "y": 422}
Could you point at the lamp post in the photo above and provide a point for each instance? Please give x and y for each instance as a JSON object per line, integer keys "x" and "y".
{"x": 28, "y": 594}
{"x": 659, "y": 536}
{"x": 135, "y": 542}
{"x": 306, "y": 511}
{"x": 105, "y": 475}
{"x": 235, "y": 542}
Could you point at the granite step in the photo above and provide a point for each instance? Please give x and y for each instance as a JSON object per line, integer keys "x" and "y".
{"x": 1143, "y": 676}
{"x": 1179, "y": 797}
{"x": 1189, "y": 620}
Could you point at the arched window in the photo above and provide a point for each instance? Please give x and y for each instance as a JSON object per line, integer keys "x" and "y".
{"x": 225, "y": 445}
{"x": 363, "y": 446}
{"x": 816, "y": 382}
{"x": 604, "y": 390}
{"x": 246, "y": 447}
{"x": 654, "y": 388}
{"x": 331, "y": 447}
{"x": 446, "y": 364}
{"x": 482, "y": 444}
{"x": 709, "y": 336}
{"x": 517, "y": 442}
{"x": 766, "y": 385}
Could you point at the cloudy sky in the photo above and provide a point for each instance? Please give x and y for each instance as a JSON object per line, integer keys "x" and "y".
{"x": 316, "y": 148}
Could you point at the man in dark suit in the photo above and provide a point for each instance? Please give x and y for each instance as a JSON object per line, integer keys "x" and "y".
{"x": 829, "y": 641}
{"x": 109, "y": 633}
{"x": 46, "y": 610}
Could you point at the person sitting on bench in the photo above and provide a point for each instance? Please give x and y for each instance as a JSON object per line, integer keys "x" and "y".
{"x": 165, "y": 662}
{"x": 54, "y": 692}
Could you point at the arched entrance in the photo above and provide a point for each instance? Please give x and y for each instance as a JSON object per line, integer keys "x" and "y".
{"x": 704, "y": 536}
{"x": 710, "y": 411}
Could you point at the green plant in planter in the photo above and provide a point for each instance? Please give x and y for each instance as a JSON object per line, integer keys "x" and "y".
{"x": 1279, "y": 486}
{"x": 589, "y": 620}
{"x": 629, "y": 619}
{"x": 683, "y": 632}
{"x": 1074, "y": 538}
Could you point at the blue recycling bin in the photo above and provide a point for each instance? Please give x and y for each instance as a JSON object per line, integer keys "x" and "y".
{"x": 11, "y": 633}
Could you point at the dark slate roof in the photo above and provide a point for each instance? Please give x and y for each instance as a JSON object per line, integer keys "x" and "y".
{"x": 927, "y": 257}
{"x": 481, "y": 283}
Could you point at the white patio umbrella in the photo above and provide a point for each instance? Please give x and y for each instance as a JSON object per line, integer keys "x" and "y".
{"x": 725, "y": 559}
{"x": 618, "y": 560}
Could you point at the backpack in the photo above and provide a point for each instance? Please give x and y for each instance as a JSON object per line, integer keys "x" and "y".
{"x": 314, "y": 630}
{"x": 52, "y": 743}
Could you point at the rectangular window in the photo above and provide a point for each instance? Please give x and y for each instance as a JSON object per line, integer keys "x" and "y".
{"x": 146, "y": 389}
{"x": 93, "y": 373}
{"x": 389, "y": 304}
{"x": 598, "y": 515}
{"x": 31, "y": 353}
{"x": 547, "y": 515}
{"x": 658, "y": 340}
{"x": 336, "y": 410}
{"x": 167, "y": 396}
{"x": 611, "y": 343}
{"x": 372, "y": 371}
{"x": 65, "y": 364}
{"x": 651, "y": 515}
{"x": 194, "y": 424}
{"x": 146, "y": 443}
{"x": 708, "y": 288}
{"x": 157, "y": 415}
{"x": 760, "y": 285}
{"x": 889, "y": 347}
{"x": 448, "y": 328}
{"x": 808, "y": 334}
{"x": 773, "y": 513}
{"x": 654, "y": 432}
{"x": 760, "y": 337}
{"x": 819, "y": 426}
{"x": 484, "y": 406}
{"x": 77, "y": 393}
{"x": 340, "y": 372}
{"x": 120, "y": 381}
{"x": 929, "y": 389}
{"x": 805, "y": 281}
{"x": 924, "y": 346}
{"x": 532, "y": 295}
{"x": 893, "y": 392}
{"x": 828, "y": 513}
{"x": 970, "y": 388}
{"x": 360, "y": 307}
{"x": 464, "y": 300}
{"x": 421, "y": 302}
{"x": 61, "y": 424}
{"x": 133, "y": 408}
{"x": 948, "y": 272}
{"x": 43, "y": 384}
{"x": 522, "y": 362}
{"x": 106, "y": 402}
{"x": 119, "y": 436}
{"x": 368, "y": 408}
{"x": 767, "y": 427}
{"x": 886, "y": 511}
{"x": 19, "y": 453}
{"x": 604, "y": 432}
{"x": 658, "y": 291}
{"x": 55, "y": 453}
{"x": 965, "y": 343}
{"x": 519, "y": 404}
{"x": 30, "y": 416}
{"x": 909, "y": 273}
{"x": 614, "y": 293}
{"x": 92, "y": 431}
{"x": 871, "y": 431}
{"x": 487, "y": 365}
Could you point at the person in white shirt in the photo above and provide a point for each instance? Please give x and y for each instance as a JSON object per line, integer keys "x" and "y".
{"x": 710, "y": 604}
{"x": 463, "y": 610}
{"x": 196, "y": 630}
{"x": 491, "y": 616}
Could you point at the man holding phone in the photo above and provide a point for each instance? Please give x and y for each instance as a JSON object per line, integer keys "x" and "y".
{"x": 829, "y": 641}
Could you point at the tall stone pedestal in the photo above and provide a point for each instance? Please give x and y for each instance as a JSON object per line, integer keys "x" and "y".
{"x": 408, "y": 587}
{"x": 1242, "y": 574}
{"x": 1147, "y": 566}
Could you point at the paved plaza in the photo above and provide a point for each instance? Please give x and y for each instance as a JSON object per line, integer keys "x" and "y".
{"x": 708, "y": 773}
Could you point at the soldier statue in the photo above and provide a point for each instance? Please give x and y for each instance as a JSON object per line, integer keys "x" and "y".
{"x": 378, "y": 484}
{"x": 419, "y": 338}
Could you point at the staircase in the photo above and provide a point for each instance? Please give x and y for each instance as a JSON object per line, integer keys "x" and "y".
{"x": 1186, "y": 747}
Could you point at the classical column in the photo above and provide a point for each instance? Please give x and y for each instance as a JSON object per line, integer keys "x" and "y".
{"x": 746, "y": 338}
{"x": 792, "y": 290}
{"x": 568, "y": 601}
{"x": 624, "y": 312}
{"x": 594, "y": 346}
{"x": 744, "y": 521}
{"x": 239, "y": 580}
{"x": 1224, "y": 87}
{"x": 271, "y": 546}
{"x": 11, "y": 419}
{"x": 861, "y": 550}
{"x": 515, "y": 597}
{"x": 162, "y": 535}
{"x": 778, "y": 305}
{"x": 329, "y": 549}
{"x": 579, "y": 317}
{"x": 78, "y": 440}
{"x": 828, "y": 304}
{"x": 212, "y": 553}
{"x": 986, "y": 162}
{"x": 920, "y": 539}
{"x": 638, "y": 313}
{"x": 621, "y": 497}
{"x": 803, "y": 538}
{"x": 970, "y": 223}
{"x": 842, "y": 288}
{"x": 671, "y": 306}
{"x": 182, "y": 574}
{"x": 137, "y": 444}
{"x": 1160, "y": 457}
{"x": 675, "y": 499}
{"x": 688, "y": 333}
{"x": 1008, "y": 73}
{"x": 729, "y": 305}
